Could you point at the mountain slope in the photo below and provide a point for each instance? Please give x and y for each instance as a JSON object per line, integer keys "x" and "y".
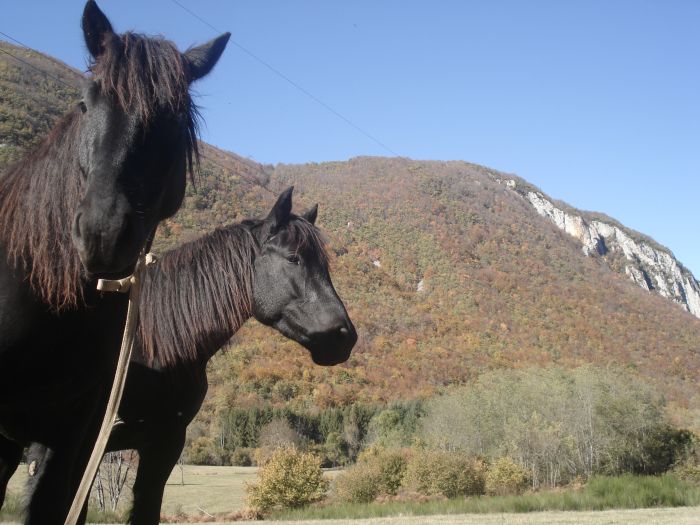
{"x": 34, "y": 91}
{"x": 448, "y": 269}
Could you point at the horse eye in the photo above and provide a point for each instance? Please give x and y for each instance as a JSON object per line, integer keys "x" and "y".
{"x": 294, "y": 259}
{"x": 82, "y": 106}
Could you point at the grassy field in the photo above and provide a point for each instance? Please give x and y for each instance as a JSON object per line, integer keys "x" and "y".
{"x": 600, "y": 493}
{"x": 209, "y": 489}
{"x": 216, "y": 490}
{"x": 206, "y": 489}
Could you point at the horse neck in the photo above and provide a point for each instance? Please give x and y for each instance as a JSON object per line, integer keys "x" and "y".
{"x": 196, "y": 297}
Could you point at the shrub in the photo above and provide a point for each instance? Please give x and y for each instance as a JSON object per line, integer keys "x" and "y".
{"x": 289, "y": 479}
{"x": 332, "y": 452}
{"x": 688, "y": 467}
{"x": 242, "y": 457}
{"x": 663, "y": 447}
{"x": 390, "y": 465}
{"x": 504, "y": 476}
{"x": 451, "y": 474}
{"x": 378, "y": 472}
{"x": 358, "y": 484}
{"x": 689, "y": 473}
{"x": 202, "y": 451}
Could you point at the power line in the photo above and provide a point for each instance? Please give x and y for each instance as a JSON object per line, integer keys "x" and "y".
{"x": 251, "y": 180}
{"x": 40, "y": 70}
{"x": 15, "y": 40}
{"x": 35, "y": 68}
{"x": 243, "y": 176}
{"x": 290, "y": 81}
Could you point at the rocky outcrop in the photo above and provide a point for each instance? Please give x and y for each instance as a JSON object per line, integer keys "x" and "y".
{"x": 647, "y": 265}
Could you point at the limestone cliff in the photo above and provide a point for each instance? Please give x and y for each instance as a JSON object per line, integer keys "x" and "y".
{"x": 647, "y": 264}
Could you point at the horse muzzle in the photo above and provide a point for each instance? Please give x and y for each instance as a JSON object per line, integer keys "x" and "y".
{"x": 108, "y": 247}
{"x": 333, "y": 346}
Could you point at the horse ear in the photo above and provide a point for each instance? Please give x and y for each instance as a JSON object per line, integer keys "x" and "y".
{"x": 311, "y": 214}
{"x": 202, "y": 59}
{"x": 279, "y": 215}
{"x": 95, "y": 27}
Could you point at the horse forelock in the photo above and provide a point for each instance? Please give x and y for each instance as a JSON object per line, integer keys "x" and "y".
{"x": 304, "y": 236}
{"x": 144, "y": 75}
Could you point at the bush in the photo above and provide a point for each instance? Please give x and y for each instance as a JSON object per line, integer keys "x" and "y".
{"x": 505, "y": 477}
{"x": 688, "y": 473}
{"x": 687, "y": 468}
{"x": 242, "y": 457}
{"x": 332, "y": 452}
{"x": 202, "y": 451}
{"x": 377, "y": 472}
{"x": 451, "y": 474}
{"x": 289, "y": 479}
{"x": 662, "y": 448}
{"x": 624, "y": 492}
{"x": 358, "y": 484}
{"x": 390, "y": 465}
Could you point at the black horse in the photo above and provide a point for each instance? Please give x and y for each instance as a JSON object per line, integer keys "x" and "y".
{"x": 92, "y": 192}
{"x": 193, "y": 300}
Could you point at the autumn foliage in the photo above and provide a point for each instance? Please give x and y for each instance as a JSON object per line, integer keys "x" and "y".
{"x": 447, "y": 273}
{"x": 288, "y": 479}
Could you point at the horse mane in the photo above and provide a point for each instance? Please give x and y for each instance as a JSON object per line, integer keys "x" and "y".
{"x": 198, "y": 295}
{"x": 145, "y": 74}
{"x": 40, "y": 193}
{"x": 38, "y": 199}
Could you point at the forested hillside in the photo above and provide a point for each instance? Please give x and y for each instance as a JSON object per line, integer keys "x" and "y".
{"x": 446, "y": 271}
{"x": 34, "y": 91}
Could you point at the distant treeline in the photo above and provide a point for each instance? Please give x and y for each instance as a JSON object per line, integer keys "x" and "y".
{"x": 337, "y": 434}
{"x": 557, "y": 424}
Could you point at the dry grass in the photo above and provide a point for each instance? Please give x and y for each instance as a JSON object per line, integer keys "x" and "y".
{"x": 206, "y": 489}
{"x": 665, "y": 516}
{"x": 210, "y": 489}
{"x": 221, "y": 489}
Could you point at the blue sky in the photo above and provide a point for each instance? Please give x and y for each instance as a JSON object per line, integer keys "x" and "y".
{"x": 595, "y": 102}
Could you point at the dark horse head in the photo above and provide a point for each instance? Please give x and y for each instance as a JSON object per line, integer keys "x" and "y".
{"x": 137, "y": 139}
{"x": 274, "y": 269}
{"x": 292, "y": 289}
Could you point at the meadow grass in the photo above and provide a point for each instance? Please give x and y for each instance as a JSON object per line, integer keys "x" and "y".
{"x": 601, "y": 492}
{"x": 205, "y": 489}
{"x": 221, "y": 489}
{"x": 650, "y": 516}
